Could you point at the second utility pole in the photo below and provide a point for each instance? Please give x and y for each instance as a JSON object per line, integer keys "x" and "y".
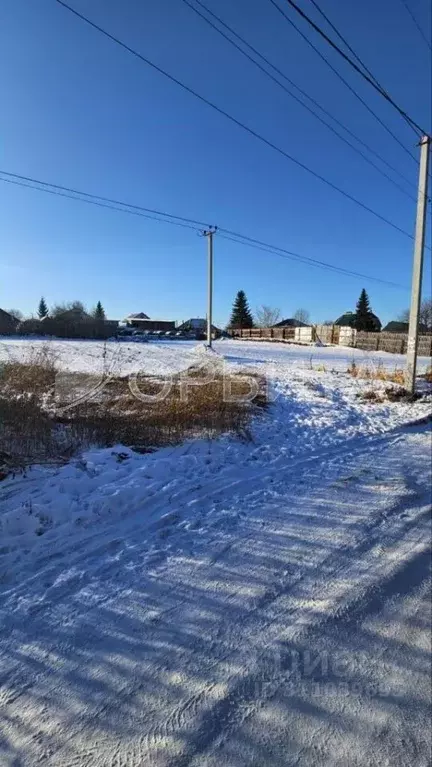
{"x": 209, "y": 234}
{"x": 419, "y": 241}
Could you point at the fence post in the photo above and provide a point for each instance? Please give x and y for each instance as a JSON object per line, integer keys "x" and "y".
{"x": 378, "y": 342}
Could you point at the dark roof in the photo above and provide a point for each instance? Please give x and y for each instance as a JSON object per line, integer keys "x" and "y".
{"x": 349, "y": 319}
{"x": 5, "y": 316}
{"x": 395, "y": 326}
{"x": 138, "y": 316}
{"x": 196, "y": 323}
{"x": 291, "y": 323}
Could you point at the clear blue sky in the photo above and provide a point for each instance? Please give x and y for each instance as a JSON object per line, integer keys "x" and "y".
{"x": 80, "y": 111}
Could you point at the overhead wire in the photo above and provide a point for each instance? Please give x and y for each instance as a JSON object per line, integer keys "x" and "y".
{"x": 411, "y": 14}
{"x": 283, "y": 253}
{"x": 297, "y": 87}
{"x": 289, "y": 92}
{"x": 138, "y": 210}
{"x": 412, "y": 123}
{"x": 342, "y": 79}
{"x": 234, "y": 120}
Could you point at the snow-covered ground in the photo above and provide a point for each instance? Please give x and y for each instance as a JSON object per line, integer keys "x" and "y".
{"x": 166, "y": 609}
{"x": 160, "y": 358}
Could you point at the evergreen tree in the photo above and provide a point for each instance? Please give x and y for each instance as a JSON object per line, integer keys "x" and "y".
{"x": 42, "y": 309}
{"x": 241, "y": 316}
{"x": 364, "y": 317}
{"x": 99, "y": 312}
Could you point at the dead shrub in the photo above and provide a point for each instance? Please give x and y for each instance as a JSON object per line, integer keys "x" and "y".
{"x": 378, "y": 373}
{"x": 389, "y": 394}
{"x": 43, "y": 421}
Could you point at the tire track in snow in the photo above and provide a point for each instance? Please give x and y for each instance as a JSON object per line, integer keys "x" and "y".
{"x": 186, "y": 713}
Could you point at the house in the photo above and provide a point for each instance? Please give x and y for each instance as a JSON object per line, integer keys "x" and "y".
{"x": 348, "y": 320}
{"x": 198, "y": 326}
{"x": 8, "y": 323}
{"x": 141, "y": 321}
{"x": 401, "y": 327}
{"x": 291, "y": 323}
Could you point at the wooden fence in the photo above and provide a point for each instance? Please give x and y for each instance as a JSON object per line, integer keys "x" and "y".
{"x": 395, "y": 343}
{"x": 278, "y": 334}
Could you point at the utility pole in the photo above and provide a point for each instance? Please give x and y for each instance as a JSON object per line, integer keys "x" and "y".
{"x": 209, "y": 234}
{"x": 419, "y": 241}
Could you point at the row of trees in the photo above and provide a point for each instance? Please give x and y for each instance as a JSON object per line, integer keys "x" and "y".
{"x": 75, "y": 308}
{"x": 364, "y": 318}
{"x": 265, "y": 316}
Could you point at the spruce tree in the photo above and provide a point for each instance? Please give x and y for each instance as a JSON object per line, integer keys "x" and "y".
{"x": 42, "y": 309}
{"x": 364, "y": 317}
{"x": 241, "y": 316}
{"x": 99, "y": 312}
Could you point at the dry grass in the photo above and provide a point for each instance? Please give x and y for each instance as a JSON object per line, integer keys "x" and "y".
{"x": 45, "y": 417}
{"x": 389, "y": 394}
{"x": 378, "y": 373}
{"x": 428, "y": 375}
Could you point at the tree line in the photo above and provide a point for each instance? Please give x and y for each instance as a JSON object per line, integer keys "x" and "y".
{"x": 363, "y": 319}
{"x": 75, "y": 308}
{"x": 265, "y": 316}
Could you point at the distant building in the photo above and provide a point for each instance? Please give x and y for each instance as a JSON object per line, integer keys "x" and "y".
{"x": 291, "y": 323}
{"x": 348, "y": 320}
{"x": 141, "y": 321}
{"x": 8, "y": 323}
{"x": 401, "y": 327}
{"x": 197, "y": 325}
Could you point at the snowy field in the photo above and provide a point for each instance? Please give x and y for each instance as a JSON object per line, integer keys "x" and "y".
{"x": 158, "y": 610}
{"x": 161, "y": 358}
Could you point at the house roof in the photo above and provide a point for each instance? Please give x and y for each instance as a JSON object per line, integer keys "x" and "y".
{"x": 7, "y": 316}
{"x": 395, "y": 326}
{"x": 349, "y": 318}
{"x": 138, "y": 316}
{"x": 195, "y": 323}
{"x": 291, "y": 322}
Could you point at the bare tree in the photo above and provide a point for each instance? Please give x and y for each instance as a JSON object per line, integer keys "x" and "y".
{"x": 425, "y": 316}
{"x": 73, "y": 306}
{"x": 404, "y": 316}
{"x": 302, "y": 315}
{"x": 17, "y": 313}
{"x": 328, "y": 322}
{"x": 426, "y": 313}
{"x": 266, "y": 316}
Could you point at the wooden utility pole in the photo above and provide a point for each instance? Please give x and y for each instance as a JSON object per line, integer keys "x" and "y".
{"x": 419, "y": 241}
{"x": 209, "y": 234}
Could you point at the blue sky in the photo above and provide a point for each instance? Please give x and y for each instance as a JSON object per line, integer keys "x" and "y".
{"x": 78, "y": 110}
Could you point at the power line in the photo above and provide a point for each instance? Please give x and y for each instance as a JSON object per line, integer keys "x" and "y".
{"x": 288, "y": 91}
{"x": 345, "y": 42}
{"x": 72, "y": 191}
{"x": 352, "y": 63}
{"x": 417, "y": 24}
{"x": 137, "y": 210}
{"x": 234, "y": 120}
{"x": 300, "y": 90}
{"x": 96, "y": 202}
{"x": 283, "y": 253}
{"x": 342, "y": 79}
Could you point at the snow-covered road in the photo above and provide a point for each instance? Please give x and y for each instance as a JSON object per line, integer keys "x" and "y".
{"x": 225, "y": 603}
{"x": 204, "y": 652}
